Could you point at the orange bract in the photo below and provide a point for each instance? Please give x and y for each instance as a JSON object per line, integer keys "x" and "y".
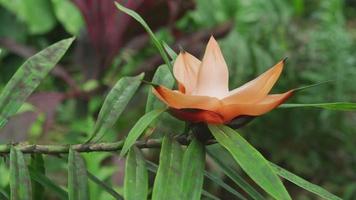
{"x": 204, "y": 96}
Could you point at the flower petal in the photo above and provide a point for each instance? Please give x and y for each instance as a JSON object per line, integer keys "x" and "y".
{"x": 178, "y": 100}
{"x": 197, "y": 116}
{"x": 185, "y": 69}
{"x": 230, "y": 111}
{"x": 256, "y": 89}
{"x": 213, "y": 77}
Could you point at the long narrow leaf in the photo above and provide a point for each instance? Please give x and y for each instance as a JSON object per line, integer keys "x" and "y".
{"x": 233, "y": 175}
{"x": 114, "y": 104}
{"x": 161, "y": 77}
{"x": 48, "y": 183}
{"x": 193, "y": 171}
{"x": 136, "y": 177}
{"x": 20, "y": 183}
{"x": 139, "y": 128}
{"x": 37, "y": 164}
{"x": 250, "y": 160}
{"x": 77, "y": 177}
{"x": 104, "y": 186}
{"x": 166, "y": 184}
{"x": 3, "y": 193}
{"x": 155, "y": 40}
{"x": 28, "y": 77}
{"x": 303, "y": 183}
{"x": 340, "y": 106}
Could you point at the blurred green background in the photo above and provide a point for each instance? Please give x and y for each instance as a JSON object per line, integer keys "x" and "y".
{"x": 318, "y": 37}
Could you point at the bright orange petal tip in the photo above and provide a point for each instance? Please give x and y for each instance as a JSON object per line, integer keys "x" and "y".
{"x": 203, "y": 94}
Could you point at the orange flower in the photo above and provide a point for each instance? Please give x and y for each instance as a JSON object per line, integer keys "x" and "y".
{"x": 203, "y": 94}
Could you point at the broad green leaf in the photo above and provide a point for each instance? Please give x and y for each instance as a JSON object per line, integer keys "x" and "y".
{"x": 154, "y": 39}
{"x": 339, "y": 106}
{"x": 193, "y": 171}
{"x": 37, "y": 164}
{"x": 303, "y": 183}
{"x": 37, "y": 14}
{"x": 104, "y": 186}
{"x": 139, "y": 128}
{"x": 69, "y": 16}
{"x": 161, "y": 77}
{"x": 166, "y": 184}
{"x": 136, "y": 177}
{"x": 250, "y": 160}
{"x": 220, "y": 159}
{"x": 48, "y": 183}
{"x": 20, "y": 183}
{"x": 77, "y": 177}
{"x": 114, "y": 104}
{"x": 28, "y": 77}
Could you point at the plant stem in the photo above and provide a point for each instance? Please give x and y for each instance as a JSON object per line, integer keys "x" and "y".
{"x": 94, "y": 147}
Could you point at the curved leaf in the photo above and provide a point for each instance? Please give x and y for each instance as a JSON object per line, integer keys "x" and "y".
{"x": 136, "y": 177}
{"x": 114, "y": 104}
{"x": 139, "y": 128}
{"x": 250, "y": 160}
{"x": 20, "y": 183}
{"x": 28, "y": 77}
{"x": 340, "y": 106}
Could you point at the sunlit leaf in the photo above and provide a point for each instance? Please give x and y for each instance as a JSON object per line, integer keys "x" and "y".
{"x": 338, "y": 106}
{"x": 303, "y": 183}
{"x": 169, "y": 173}
{"x": 69, "y": 16}
{"x": 139, "y": 128}
{"x": 193, "y": 170}
{"x": 20, "y": 183}
{"x": 155, "y": 40}
{"x": 77, "y": 177}
{"x": 37, "y": 164}
{"x": 28, "y": 77}
{"x": 250, "y": 160}
{"x": 114, "y": 104}
{"x": 161, "y": 77}
{"x": 232, "y": 173}
{"x": 136, "y": 176}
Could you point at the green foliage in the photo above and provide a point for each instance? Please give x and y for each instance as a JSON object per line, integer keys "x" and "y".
{"x": 77, "y": 177}
{"x": 136, "y": 176}
{"x": 114, "y": 104}
{"x": 68, "y": 15}
{"x": 20, "y": 183}
{"x": 250, "y": 160}
{"x": 28, "y": 77}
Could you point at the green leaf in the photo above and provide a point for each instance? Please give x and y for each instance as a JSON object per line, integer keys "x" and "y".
{"x": 303, "y": 183}
{"x": 139, "y": 128}
{"x": 77, "y": 177}
{"x": 136, "y": 177}
{"x": 28, "y": 77}
{"x": 166, "y": 184}
{"x": 20, "y": 183}
{"x": 193, "y": 171}
{"x": 172, "y": 54}
{"x": 3, "y": 194}
{"x": 220, "y": 160}
{"x": 339, "y": 106}
{"x": 37, "y": 164}
{"x": 154, "y": 39}
{"x": 114, "y": 104}
{"x": 69, "y": 16}
{"x": 37, "y": 14}
{"x": 48, "y": 183}
{"x": 104, "y": 186}
{"x": 250, "y": 160}
{"x": 161, "y": 77}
